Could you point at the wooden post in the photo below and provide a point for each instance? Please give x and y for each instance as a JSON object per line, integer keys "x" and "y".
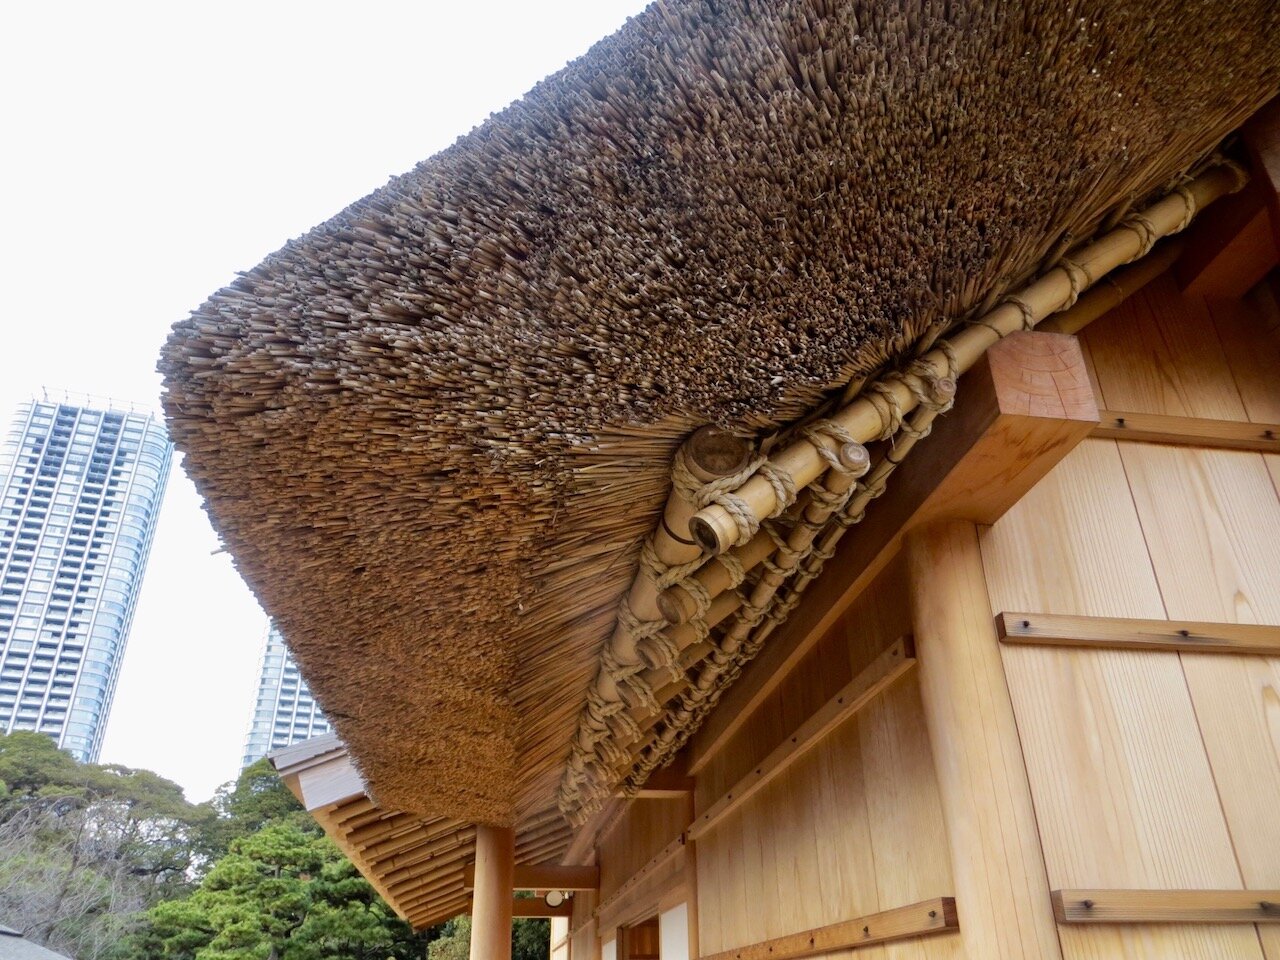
{"x": 495, "y": 880}
{"x": 1001, "y": 890}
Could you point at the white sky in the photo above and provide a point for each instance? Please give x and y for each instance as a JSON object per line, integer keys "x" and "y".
{"x": 149, "y": 151}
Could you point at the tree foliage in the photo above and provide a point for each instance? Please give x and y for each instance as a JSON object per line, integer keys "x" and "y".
{"x": 83, "y": 846}
{"x": 110, "y": 863}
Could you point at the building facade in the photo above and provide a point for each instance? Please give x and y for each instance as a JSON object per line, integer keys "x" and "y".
{"x": 80, "y": 493}
{"x": 284, "y": 712}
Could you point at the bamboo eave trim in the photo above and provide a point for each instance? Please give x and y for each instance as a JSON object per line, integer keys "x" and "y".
{"x": 715, "y": 529}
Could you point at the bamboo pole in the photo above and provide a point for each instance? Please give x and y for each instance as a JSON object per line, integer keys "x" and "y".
{"x": 716, "y": 530}
{"x": 1114, "y": 289}
{"x": 491, "y": 900}
{"x": 710, "y": 454}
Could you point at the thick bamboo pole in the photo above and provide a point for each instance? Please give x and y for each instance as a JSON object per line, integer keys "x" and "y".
{"x": 491, "y": 902}
{"x": 709, "y": 454}
{"x": 1001, "y": 890}
{"x": 717, "y": 530}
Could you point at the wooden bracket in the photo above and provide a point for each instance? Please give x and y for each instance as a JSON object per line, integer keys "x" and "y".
{"x": 1022, "y": 408}
{"x": 1167, "y": 906}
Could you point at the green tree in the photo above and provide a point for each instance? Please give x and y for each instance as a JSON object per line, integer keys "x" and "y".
{"x": 530, "y": 940}
{"x": 256, "y": 798}
{"x": 281, "y": 892}
{"x": 83, "y": 847}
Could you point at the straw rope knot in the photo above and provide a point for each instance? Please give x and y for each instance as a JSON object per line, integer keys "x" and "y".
{"x": 1079, "y": 277}
{"x": 661, "y": 652}
{"x": 817, "y": 433}
{"x": 660, "y": 573}
{"x": 699, "y": 593}
{"x": 884, "y": 400}
{"x": 637, "y": 628}
{"x": 1147, "y": 233}
{"x": 1189, "y": 213}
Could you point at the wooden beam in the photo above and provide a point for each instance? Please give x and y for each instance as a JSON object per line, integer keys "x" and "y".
{"x": 1261, "y": 136}
{"x": 1021, "y": 409}
{"x": 1184, "y": 636}
{"x": 1167, "y": 906}
{"x": 491, "y": 905}
{"x": 545, "y": 876}
{"x": 996, "y": 860}
{"x": 1231, "y": 246}
{"x": 537, "y": 907}
{"x": 1189, "y": 431}
{"x": 857, "y": 693}
{"x": 928, "y": 918}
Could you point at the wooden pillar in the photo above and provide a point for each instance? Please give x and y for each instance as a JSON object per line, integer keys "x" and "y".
{"x": 495, "y": 881}
{"x": 1001, "y": 891}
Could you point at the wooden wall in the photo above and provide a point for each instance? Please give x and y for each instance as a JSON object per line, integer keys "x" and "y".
{"x": 1148, "y": 770}
{"x": 1156, "y": 769}
{"x": 852, "y": 828}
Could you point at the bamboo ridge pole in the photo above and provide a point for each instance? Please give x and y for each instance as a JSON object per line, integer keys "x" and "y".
{"x": 717, "y": 530}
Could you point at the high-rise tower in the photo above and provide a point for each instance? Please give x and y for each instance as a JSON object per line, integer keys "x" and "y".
{"x": 284, "y": 712}
{"x": 80, "y": 491}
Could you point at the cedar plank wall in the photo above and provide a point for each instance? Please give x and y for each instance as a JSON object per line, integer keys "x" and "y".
{"x": 851, "y": 828}
{"x": 1156, "y": 769}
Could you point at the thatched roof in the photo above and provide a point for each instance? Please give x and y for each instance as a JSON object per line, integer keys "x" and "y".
{"x": 434, "y": 430}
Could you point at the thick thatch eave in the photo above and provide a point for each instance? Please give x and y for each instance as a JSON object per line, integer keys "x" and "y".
{"x": 433, "y": 431}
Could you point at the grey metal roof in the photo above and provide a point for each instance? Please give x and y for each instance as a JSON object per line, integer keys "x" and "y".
{"x": 14, "y": 946}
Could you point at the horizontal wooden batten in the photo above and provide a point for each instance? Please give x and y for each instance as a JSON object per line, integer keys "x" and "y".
{"x": 857, "y": 693}
{"x": 1118, "y": 632}
{"x": 1167, "y": 906}
{"x": 1189, "y": 431}
{"x": 929, "y": 917}
{"x": 546, "y": 876}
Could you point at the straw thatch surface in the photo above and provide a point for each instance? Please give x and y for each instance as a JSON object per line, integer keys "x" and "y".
{"x": 433, "y": 430}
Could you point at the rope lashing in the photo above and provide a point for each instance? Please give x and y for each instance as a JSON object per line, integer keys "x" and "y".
{"x": 1079, "y": 277}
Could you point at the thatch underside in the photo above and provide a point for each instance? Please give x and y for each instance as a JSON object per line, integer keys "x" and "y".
{"x": 434, "y": 430}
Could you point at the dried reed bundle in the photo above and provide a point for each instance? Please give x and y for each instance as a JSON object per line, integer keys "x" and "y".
{"x": 434, "y": 431}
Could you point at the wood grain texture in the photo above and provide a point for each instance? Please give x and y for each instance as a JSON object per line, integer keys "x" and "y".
{"x": 995, "y": 850}
{"x": 1158, "y": 353}
{"x": 916, "y": 920}
{"x": 1167, "y": 906}
{"x": 492, "y": 902}
{"x": 860, "y": 691}
{"x": 1119, "y": 633}
{"x": 644, "y": 830}
{"x": 1189, "y": 431}
{"x": 1154, "y": 769}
